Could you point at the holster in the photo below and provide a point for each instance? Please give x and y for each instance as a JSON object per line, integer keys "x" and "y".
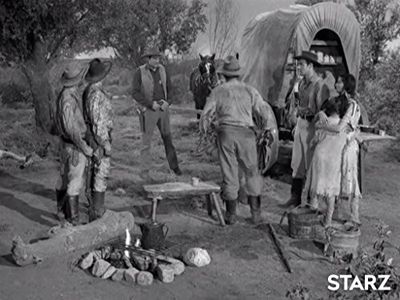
{"x": 140, "y": 114}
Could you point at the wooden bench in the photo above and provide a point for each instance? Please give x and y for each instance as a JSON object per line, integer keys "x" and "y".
{"x": 157, "y": 192}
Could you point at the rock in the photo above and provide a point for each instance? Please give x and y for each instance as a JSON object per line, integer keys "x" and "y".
{"x": 165, "y": 273}
{"x": 120, "y": 192}
{"x": 175, "y": 264}
{"x": 97, "y": 254}
{"x": 197, "y": 257}
{"x": 118, "y": 275}
{"x": 144, "y": 278}
{"x": 100, "y": 267}
{"x": 87, "y": 261}
{"x": 141, "y": 262}
{"x": 110, "y": 272}
{"x": 130, "y": 275}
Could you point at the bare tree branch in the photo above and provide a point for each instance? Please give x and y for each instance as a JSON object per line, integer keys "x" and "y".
{"x": 223, "y": 30}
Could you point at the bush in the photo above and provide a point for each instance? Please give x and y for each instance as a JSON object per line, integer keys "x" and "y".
{"x": 15, "y": 96}
{"x": 381, "y": 96}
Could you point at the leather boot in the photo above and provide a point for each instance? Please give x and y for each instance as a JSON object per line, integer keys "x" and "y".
{"x": 61, "y": 204}
{"x": 97, "y": 210}
{"x": 230, "y": 216}
{"x": 255, "y": 208}
{"x": 296, "y": 190}
{"x": 73, "y": 207}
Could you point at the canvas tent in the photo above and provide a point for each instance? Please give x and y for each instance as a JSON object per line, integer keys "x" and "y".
{"x": 271, "y": 38}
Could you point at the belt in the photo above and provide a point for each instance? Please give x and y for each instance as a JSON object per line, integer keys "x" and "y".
{"x": 308, "y": 118}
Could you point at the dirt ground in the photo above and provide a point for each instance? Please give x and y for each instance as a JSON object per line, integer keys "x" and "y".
{"x": 244, "y": 264}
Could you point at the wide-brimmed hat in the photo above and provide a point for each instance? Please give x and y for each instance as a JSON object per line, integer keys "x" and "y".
{"x": 153, "y": 51}
{"x": 309, "y": 57}
{"x": 97, "y": 70}
{"x": 73, "y": 74}
{"x": 231, "y": 67}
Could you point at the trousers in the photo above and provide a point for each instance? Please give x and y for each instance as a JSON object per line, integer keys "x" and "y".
{"x": 72, "y": 169}
{"x": 301, "y": 152}
{"x": 100, "y": 175}
{"x": 237, "y": 151}
{"x": 158, "y": 118}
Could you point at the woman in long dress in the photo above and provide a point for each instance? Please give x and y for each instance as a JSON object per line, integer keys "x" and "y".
{"x": 331, "y": 154}
{"x": 324, "y": 175}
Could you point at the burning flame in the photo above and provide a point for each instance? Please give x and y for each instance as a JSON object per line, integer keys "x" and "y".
{"x": 127, "y": 242}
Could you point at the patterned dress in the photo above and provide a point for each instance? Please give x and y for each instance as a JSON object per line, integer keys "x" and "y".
{"x": 324, "y": 174}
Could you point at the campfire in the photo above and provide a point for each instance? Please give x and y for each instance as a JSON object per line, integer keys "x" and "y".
{"x": 124, "y": 260}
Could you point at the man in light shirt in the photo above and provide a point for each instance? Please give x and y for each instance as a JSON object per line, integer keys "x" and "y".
{"x": 234, "y": 104}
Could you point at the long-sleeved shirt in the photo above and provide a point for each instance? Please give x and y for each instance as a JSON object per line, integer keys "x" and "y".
{"x": 312, "y": 93}
{"x": 234, "y": 103}
{"x": 99, "y": 112}
{"x": 71, "y": 123}
{"x": 158, "y": 92}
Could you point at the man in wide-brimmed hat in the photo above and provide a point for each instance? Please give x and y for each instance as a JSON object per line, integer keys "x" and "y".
{"x": 235, "y": 103}
{"x": 74, "y": 149}
{"x": 151, "y": 85}
{"x": 99, "y": 119}
{"x": 312, "y": 93}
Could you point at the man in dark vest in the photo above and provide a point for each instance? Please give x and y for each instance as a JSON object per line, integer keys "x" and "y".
{"x": 151, "y": 84}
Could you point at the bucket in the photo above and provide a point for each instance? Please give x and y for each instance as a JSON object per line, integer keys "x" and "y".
{"x": 343, "y": 242}
{"x": 303, "y": 222}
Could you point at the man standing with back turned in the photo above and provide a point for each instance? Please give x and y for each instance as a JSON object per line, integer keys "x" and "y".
{"x": 312, "y": 93}
{"x": 99, "y": 118}
{"x": 235, "y": 104}
{"x": 74, "y": 149}
{"x": 151, "y": 85}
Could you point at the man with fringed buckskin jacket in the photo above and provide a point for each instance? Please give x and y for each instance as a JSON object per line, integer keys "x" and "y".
{"x": 74, "y": 149}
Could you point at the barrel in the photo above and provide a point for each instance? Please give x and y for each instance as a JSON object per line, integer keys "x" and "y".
{"x": 302, "y": 222}
{"x": 343, "y": 242}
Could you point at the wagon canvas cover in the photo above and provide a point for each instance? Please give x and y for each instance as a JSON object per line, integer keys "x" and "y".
{"x": 268, "y": 38}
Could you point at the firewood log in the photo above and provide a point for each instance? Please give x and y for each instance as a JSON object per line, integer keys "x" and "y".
{"x": 105, "y": 229}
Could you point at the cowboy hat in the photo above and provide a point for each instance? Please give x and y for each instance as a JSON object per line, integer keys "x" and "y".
{"x": 97, "y": 70}
{"x": 154, "y": 51}
{"x": 73, "y": 74}
{"x": 309, "y": 57}
{"x": 231, "y": 67}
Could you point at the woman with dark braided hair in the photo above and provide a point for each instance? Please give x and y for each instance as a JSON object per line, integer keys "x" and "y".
{"x": 336, "y": 161}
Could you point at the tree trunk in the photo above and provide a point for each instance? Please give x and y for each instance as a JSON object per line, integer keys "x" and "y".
{"x": 42, "y": 95}
{"x": 36, "y": 70}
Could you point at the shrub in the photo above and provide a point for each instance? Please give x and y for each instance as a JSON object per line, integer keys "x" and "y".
{"x": 15, "y": 96}
{"x": 381, "y": 96}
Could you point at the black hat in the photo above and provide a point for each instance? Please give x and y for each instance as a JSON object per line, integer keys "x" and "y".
{"x": 154, "y": 51}
{"x": 309, "y": 57}
{"x": 97, "y": 70}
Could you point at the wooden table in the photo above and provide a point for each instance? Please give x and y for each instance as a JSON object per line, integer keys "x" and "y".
{"x": 158, "y": 192}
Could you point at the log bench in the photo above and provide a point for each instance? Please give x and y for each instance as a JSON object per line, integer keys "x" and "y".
{"x": 157, "y": 192}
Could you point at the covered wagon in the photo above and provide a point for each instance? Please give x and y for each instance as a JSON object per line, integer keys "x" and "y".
{"x": 272, "y": 39}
